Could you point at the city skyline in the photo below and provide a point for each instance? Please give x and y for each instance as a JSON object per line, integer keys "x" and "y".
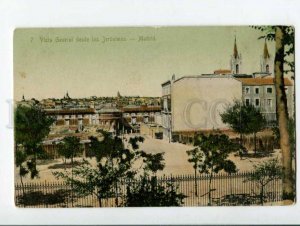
{"x": 134, "y": 61}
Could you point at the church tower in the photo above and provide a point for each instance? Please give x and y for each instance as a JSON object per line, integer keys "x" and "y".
{"x": 266, "y": 65}
{"x": 236, "y": 60}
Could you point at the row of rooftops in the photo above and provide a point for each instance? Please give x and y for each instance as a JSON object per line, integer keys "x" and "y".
{"x": 105, "y": 109}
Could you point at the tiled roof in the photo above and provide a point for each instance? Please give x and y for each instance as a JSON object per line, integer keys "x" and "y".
{"x": 222, "y": 71}
{"x": 141, "y": 108}
{"x": 70, "y": 111}
{"x": 109, "y": 110}
{"x": 262, "y": 81}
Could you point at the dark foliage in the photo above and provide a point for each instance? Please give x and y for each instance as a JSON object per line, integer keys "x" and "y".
{"x": 263, "y": 174}
{"x": 39, "y": 198}
{"x": 31, "y": 127}
{"x": 214, "y": 150}
{"x": 243, "y": 118}
{"x": 149, "y": 192}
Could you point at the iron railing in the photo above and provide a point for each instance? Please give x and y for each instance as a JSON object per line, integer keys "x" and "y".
{"x": 226, "y": 190}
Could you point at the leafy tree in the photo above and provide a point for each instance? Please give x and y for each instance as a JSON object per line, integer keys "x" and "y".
{"x": 215, "y": 150}
{"x": 255, "y": 121}
{"x": 264, "y": 173}
{"x": 115, "y": 167}
{"x": 244, "y": 119}
{"x": 114, "y": 163}
{"x": 153, "y": 162}
{"x": 284, "y": 37}
{"x": 20, "y": 158}
{"x": 234, "y": 115}
{"x": 31, "y": 126}
{"x": 195, "y": 158}
{"x": 69, "y": 148}
{"x": 148, "y": 191}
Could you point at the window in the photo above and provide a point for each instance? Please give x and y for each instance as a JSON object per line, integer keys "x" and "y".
{"x": 237, "y": 69}
{"x": 257, "y": 102}
{"x": 269, "y": 90}
{"x": 247, "y": 90}
{"x": 267, "y": 68}
{"x": 247, "y": 102}
{"x": 257, "y": 90}
{"x": 145, "y": 119}
{"x": 133, "y": 120}
{"x": 269, "y": 102}
{"x": 286, "y": 90}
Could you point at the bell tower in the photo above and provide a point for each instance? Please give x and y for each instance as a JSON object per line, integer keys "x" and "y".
{"x": 266, "y": 65}
{"x": 236, "y": 60}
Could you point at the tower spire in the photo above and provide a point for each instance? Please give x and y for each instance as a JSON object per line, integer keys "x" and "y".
{"x": 235, "y": 50}
{"x": 266, "y": 64}
{"x": 236, "y": 59}
{"x": 266, "y": 51}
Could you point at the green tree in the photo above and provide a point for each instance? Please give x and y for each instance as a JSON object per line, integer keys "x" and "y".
{"x": 31, "y": 126}
{"x": 153, "y": 162}
{"x": 114, "y": 164}
{"x": 149, "y": 191}
{"x": 215, "y": 150}
{"x": 195, "y": 158}
{"x": 255, "y": 121}
{"x": 263, "y": 174}
{"x": 20, "y": 158}
{"x": 284, "y": 37}
{"x": 234, "y": 115}
{"x": 69, "y": 148}
{"x": 244, "y": 119}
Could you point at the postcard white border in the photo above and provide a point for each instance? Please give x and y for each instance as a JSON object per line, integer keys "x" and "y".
{"x": 82, "y": 13}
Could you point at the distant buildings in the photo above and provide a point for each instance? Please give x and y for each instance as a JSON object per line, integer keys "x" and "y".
{"x": 134, "y": 115}
{"x": 113, "y": 114}
{"x": 107, "y": 117}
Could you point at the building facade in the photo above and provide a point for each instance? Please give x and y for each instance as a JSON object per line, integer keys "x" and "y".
{"x": 260, "y": 92}
{"x": 106, "y": 117}
{"x": 166, "y": 109}
{"x": 133, "y": 116}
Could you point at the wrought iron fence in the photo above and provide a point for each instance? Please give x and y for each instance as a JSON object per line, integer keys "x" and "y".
{"x": 226, "y": 190}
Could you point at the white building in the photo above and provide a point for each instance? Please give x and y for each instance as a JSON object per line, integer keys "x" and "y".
{"x": 194, "y": 103}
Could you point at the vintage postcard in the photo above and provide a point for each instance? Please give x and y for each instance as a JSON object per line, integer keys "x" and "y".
{"x": 154, "y": 116}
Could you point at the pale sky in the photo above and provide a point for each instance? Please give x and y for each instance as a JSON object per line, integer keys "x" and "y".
{"x": 49, "y": 69}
